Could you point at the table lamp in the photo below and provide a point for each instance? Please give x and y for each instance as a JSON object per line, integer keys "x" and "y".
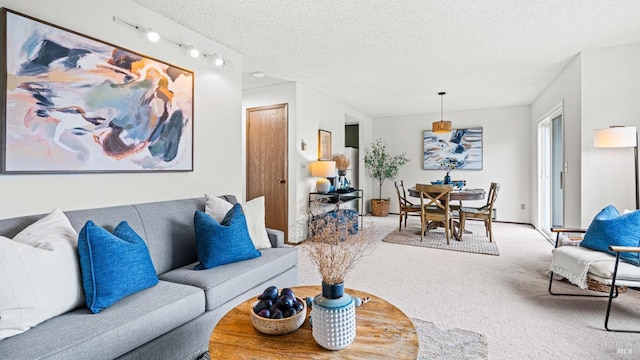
{"x": 323, "y": 169}
{"x": 619, "y": 137}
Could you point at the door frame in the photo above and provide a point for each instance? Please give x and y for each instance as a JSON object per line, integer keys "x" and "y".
{"x": 286, "y": 174}
{"x": 544, "y": 120}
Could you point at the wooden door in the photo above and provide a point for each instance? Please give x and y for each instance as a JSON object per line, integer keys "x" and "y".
{"x": 267, "y": 162}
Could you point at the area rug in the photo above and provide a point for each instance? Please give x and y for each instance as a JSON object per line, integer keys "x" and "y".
{"x": 475, "y": 242}
{"x": 438, "y": 343}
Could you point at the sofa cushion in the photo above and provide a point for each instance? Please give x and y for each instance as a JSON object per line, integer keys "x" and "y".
{"x": 126, "y": 325}
{"x": 225, "y": 242}
{"x": 39, "y": 274}
{"x": 113, "y": 265}
{"x": 609, "y": 228}
{"x": 216, "y": 207}
{"x": 169, "y": 232}
{"x": 223, "y": 283}
{"x": 254, "y": 212}
{"x": 626, "y": 271}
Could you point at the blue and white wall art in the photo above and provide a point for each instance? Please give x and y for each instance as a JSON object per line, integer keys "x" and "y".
{"x": 462, "y": 148}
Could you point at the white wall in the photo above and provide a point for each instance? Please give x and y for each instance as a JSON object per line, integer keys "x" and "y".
{"x": 610, "y": 96}
{"x": 506, "y": 154}
{"x": 309, "y": 111}
{"x": 217, "y": 125}
{"x": 565, "y": 89}
{"x": 318, "y": 111}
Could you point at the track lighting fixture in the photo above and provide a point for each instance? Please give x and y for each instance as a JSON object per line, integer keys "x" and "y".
{"x": 154, "y": 36}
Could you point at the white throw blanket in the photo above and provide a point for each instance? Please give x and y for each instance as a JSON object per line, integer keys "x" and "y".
{"x": 572, "y": 262}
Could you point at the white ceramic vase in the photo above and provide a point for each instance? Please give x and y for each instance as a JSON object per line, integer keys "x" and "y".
{"x": 334, "y": 318}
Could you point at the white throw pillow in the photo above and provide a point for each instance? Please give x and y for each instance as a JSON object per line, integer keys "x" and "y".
{"x": 216, "y": 208}
{"x": 39, "y": 274}
{"x": 254, "y": 212}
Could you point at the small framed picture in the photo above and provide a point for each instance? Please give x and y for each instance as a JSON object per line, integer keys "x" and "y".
{"x": 324, "y": 145}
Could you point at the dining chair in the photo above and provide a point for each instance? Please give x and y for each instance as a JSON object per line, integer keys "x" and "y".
{"x": 434, "y": 202}
{"x": 483, "y": 213}
{"x": 406, "y": 206}
{"x": 456, "y": 207}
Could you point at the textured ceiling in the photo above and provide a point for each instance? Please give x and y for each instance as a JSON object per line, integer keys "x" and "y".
{"x": 393, "y": 57}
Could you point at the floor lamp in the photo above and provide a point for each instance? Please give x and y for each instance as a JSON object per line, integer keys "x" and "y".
{"x": 619, "y": 137}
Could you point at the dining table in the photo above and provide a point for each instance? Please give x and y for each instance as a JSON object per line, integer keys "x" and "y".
{"x": 464, "y": 194}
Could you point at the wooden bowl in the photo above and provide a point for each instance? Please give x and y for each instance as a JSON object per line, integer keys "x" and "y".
{"x": 279, "y": 326}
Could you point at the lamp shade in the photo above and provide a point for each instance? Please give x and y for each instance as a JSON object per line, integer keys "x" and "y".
{"x": 615, "y": 137}
{"x": 323, "y": 168}
{"x": 441, "y": 126}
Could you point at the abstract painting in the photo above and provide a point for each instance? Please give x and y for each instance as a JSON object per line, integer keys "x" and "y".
{"x": 460, "y": 149}
{"x": 74, "y": 104}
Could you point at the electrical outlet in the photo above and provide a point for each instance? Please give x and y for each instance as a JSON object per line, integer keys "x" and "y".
{"x": 303, "y": 167}
{"x": 522, "y": 206}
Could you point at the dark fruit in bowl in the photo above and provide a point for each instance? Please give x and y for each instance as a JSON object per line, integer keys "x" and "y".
{"x": 287, "y": 291}
{"x": 270, "y": 293}
{"x": 265, "y": 313}
{"x": 285, "y": 302}
{"x": 274, "y": 307}
{"x": 264, "y": 304}
{"x": 277, "y": 314}
{"x": 298, "y": 305}
{"x": 290, "y": 312}
{"x": 278, "y": 321}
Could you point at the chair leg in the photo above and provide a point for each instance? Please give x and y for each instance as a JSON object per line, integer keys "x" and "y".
{"x": 580, "y": 295}
{"x": 406, "y": 215}
{"x": 613, "y": 286}
{"x": 461, "y": 228}
{"x": 422, "y": 227}
{"x": 490, "y": 228}
{"x": 448, "y": 229}
{"x": 400, "y": 222}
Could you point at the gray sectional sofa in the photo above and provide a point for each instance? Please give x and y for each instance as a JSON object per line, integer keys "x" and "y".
{"x": 172, "y": 320}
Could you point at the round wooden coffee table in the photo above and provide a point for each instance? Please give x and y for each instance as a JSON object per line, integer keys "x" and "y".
{"x": 383, "y": 332}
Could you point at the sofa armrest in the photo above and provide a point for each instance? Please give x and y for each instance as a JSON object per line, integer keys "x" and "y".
{"x": 276, "y": 237}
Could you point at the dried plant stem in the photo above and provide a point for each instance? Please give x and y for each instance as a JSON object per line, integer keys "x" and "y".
{"x": 335, "y": 243}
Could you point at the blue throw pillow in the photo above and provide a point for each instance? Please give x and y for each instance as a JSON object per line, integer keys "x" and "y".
{"x": 114, "y": 265}
{"x": 610, "y": 228}
{"x": 225, "y": 242}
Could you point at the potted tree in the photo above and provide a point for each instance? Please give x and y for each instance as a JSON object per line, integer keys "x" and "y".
{"x": 382, "y": 166}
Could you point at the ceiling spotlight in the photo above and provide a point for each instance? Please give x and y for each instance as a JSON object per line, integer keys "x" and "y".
{"x": 257, "y": 74}
{"x": 217, "y": 60}
{"x": 153, "y": 35}
{"x": 194, "y": 52}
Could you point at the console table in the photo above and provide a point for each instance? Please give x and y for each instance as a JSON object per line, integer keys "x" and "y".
{"x": 340, "y": 199}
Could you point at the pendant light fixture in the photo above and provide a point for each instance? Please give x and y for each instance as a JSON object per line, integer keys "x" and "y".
{"x": 439, "y": 127}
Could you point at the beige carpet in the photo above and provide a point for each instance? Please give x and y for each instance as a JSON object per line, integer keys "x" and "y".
{"x": 474, "y": 242}
{"x": 502, "y": 297}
